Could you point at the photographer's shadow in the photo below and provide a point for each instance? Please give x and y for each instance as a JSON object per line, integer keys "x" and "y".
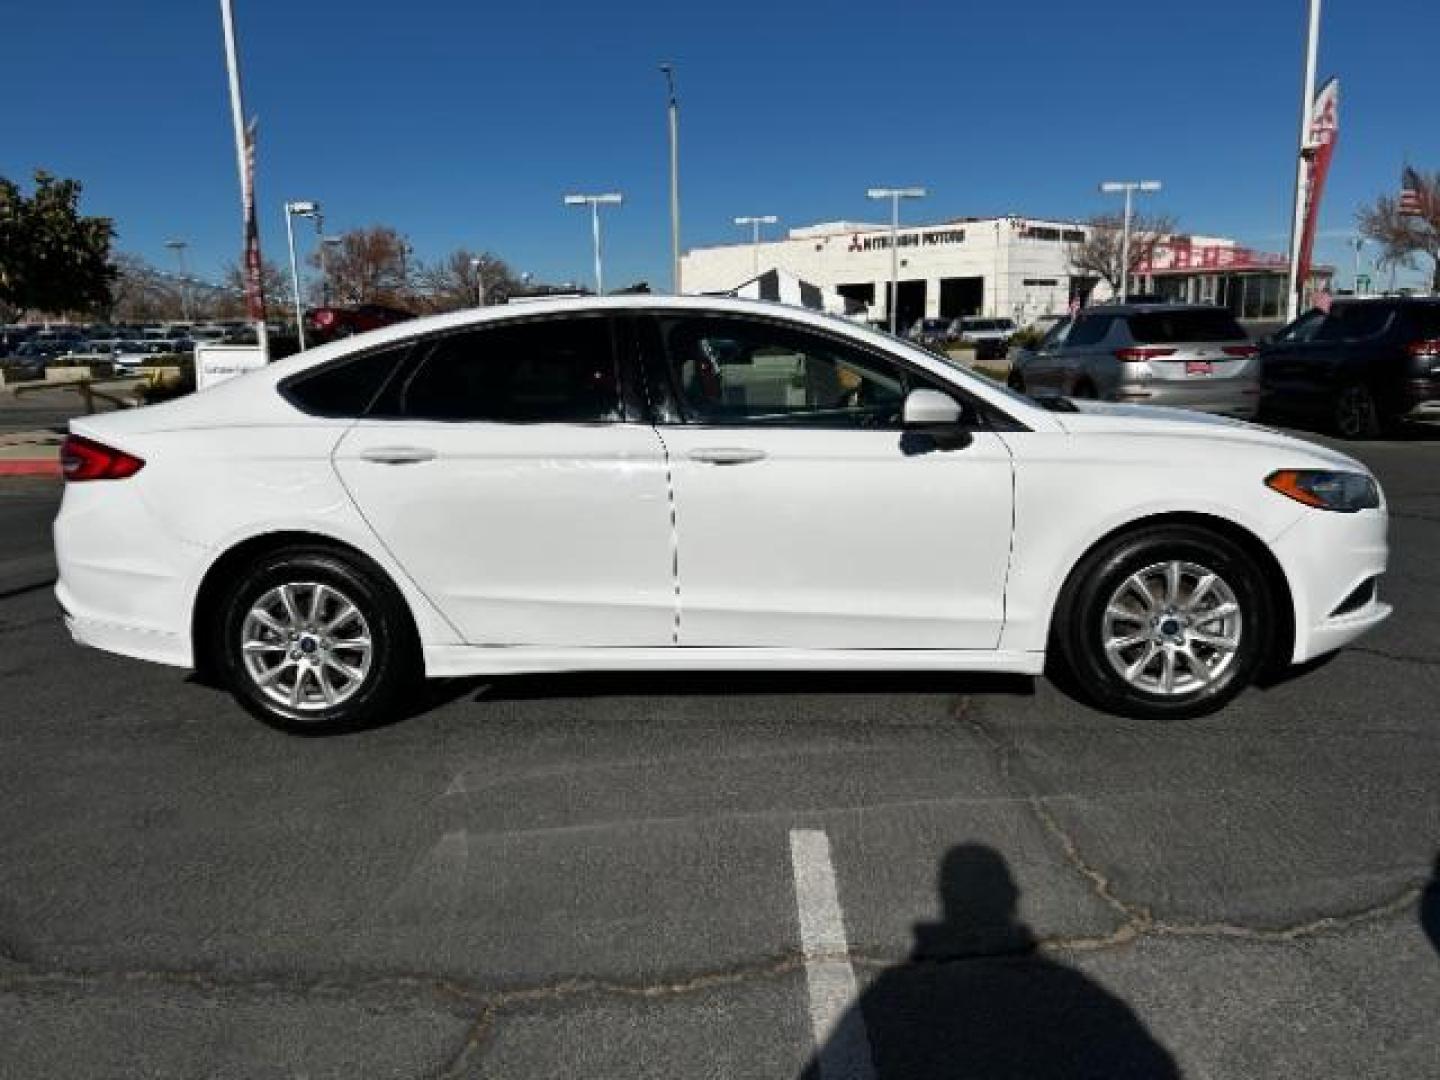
{"x": 976, "y": 1000}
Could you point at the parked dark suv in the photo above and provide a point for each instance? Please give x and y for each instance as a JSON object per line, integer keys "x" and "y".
{"x": 1361, "y": 367}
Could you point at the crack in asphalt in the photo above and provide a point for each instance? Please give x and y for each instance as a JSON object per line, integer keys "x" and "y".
{"x": 1137, "y": 920}
{"x": 1400, "y": 658}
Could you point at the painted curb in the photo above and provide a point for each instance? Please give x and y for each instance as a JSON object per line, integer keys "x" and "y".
{"x": 31, "y": 467}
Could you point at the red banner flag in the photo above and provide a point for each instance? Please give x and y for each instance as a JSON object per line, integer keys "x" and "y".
{"x": 254, "y": 276}
{"x": 1319, "y": 149}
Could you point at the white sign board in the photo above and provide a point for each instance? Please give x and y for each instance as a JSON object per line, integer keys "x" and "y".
{"x": 216, "y": 363}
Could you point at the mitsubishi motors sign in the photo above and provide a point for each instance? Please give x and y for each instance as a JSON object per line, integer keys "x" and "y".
{"x": 913, "y": 239}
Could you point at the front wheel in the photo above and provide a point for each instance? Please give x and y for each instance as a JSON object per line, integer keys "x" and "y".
{"x": 313, "y": 643}
{"x": 1168, "y": 623}
{"x": 1356, "y": 414}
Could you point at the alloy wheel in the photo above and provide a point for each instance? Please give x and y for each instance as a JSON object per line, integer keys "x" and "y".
{"x": 1172, "y": 628}
{"x": 306, "y": 646}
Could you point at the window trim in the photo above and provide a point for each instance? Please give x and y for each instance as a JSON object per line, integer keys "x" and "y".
{"x": 655, "y": 367}
{"x": 418, "y": 346}
{"x": 286, "y": 387}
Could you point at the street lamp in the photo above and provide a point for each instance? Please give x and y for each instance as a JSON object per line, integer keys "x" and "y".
{"x": 612, "y": 198}
{"x": 301, "y": 208}
{"x": 179, "y": 246}
{"x": 895, "y": 195}
{"x": 755, "y": 223}
{"x": 674, "y": 112}
{"x": 1129, "y": 187}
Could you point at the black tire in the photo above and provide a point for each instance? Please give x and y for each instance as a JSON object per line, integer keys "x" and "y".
{"x": 393, "y": 664}
{"x": 1081, "y": 627}
{"x": 1084, "y": 390}
{"x": 1355, "y": 414}
{"x": 1016, "y": 381}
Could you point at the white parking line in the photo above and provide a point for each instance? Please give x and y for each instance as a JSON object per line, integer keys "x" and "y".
{"x": 842, "y": 1048}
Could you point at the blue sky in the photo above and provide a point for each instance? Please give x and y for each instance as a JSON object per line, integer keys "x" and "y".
{"x": 465, "y": 123}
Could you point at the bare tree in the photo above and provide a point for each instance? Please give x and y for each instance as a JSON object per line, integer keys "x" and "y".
{"x": 1099, "y": 254}
{"x": 1404, "y": 236}
{"x": 228, "y": 302}
{"x": 455, "y": 281}
{"x": 369, "y": 265}
{"x": 142, "y": 293}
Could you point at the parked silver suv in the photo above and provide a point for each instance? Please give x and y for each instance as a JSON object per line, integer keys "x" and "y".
{"x": 1181, "y": 355}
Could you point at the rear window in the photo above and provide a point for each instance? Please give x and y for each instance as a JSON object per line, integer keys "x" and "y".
{"x": 1166, "y": 327}
{"x": 346, "y": 387}
{"x": 1425, "y": 320}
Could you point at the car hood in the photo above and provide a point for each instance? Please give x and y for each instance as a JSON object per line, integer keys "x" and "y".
{"x": 1109, "y": 418}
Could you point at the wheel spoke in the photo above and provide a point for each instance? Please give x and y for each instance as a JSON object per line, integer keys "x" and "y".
{"x": 1130, "y": 641}
{"x": 264, "y": 646}
{"x": 1133, "y": 671}
{"x": 1202, "y": 588}
{"x": 1215, "y": 641}
{"x": 1135, "y": 583}
{"x": 350, "y": 673}
{"x": 265, "y": 619}
{"x": 1219, "y": 611}
{"x": 1167, "y": 672}
{"x": 1198, "y": 667}
{"x": 1115, "y": 611}
{"x": 326, "y": 690}
{"x": 296, "y": 695}
{"x": 269, "y": 677}
{"x": 346, "y": 611}
{"x": 292, "y": 610}
{"x": 1172, "y": 583}
{"x": 317, "y": 602}
{"x": 359, "y": 643}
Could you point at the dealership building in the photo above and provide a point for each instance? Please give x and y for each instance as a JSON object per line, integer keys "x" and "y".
{"x": 1013, "y": 267}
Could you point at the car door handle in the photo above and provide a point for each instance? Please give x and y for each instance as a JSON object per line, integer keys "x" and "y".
{"x": 398, "y": 455}
{"x": 726, "y": 455}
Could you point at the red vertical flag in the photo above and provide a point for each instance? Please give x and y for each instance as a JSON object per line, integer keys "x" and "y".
{"x": 254, "y": 276}
{"x": 1319, "y": 149}
{"x": 1413, "y": 193}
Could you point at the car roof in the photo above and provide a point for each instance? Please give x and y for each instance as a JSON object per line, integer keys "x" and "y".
{"x": 1150, "y": 309}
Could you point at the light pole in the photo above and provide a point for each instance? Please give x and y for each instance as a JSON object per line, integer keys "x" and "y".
{"x": 674, "y": 111}
{"x": 1297, "y": 220}
{"x": 895, "y": 195}
{"x": 1129, "y": 187}
{"x": 1357, "y": 244}
{"x": 244, "y": 163}
{"x": 755, "y": 223}
{"x": 179, "y": 246}
{"x": 302, "y": 208}
{"x": 612, "y": 198}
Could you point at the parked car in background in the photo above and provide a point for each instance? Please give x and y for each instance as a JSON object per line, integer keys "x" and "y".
{"x": 1181, "y": 355}
{"x": 933, "y": 333}
{"x": 1360, "y": 368}
{"x": 989, "y": 336}
{"x": 329, "y": 323}
{"x": 535, "y": 488}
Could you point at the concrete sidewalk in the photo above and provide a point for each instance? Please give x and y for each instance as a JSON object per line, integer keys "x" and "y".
{"x": 30, "y": 453}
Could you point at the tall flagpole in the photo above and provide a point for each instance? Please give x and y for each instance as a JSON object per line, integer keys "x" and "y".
{"x": 242, "y": 162}
{"x": 674, "y": 111}
{"x": 1302, "y": 163}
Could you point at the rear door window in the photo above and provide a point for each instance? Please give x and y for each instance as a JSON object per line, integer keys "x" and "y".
{"x": 554, "y": 371}
{"x": 342, "y": 388}
{"x": 1170, "y": 327}
{"x": 1352, "y": 322}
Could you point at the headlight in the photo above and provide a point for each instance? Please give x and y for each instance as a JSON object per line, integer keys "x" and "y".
{"x": 1346, "y": 492}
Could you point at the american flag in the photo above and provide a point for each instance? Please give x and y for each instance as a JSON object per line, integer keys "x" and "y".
{"x": 1413, "y": 195}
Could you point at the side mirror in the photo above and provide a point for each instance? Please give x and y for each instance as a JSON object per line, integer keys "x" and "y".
{"x": 930, "y": 409}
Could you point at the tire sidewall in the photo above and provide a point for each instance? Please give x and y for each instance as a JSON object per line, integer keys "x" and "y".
{"x": 391, "y": 663}
{"x": 1096, "y": 580}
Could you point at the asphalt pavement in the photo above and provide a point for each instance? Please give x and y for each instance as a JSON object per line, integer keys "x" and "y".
{"x": 670, "y": 876}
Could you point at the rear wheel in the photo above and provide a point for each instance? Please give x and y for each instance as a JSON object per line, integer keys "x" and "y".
{"x": 312, "y": 643}
{"x": 1084, "y": 389}
{"x": 1167, "y": 623}
{"x": 1356, "y": 415}
{"x": 1015, "y": 381}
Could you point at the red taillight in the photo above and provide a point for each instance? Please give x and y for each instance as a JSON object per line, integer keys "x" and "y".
{"x": 1240, "y": 350}
{"x": 85, "y": 459}
{"x": 1424, "y": 348}
{"x": 323, "y": 317}
{"x": 1145, "y": 353}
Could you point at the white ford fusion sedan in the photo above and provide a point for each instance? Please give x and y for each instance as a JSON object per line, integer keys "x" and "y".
{"x": 652, "y": 482}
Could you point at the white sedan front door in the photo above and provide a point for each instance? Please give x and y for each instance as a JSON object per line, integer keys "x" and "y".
{"x": 805, "y": 517}
{"x": 499, "y": 472}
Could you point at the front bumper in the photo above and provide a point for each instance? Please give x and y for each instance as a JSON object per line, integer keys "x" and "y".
{"x": 1326, "y": 557}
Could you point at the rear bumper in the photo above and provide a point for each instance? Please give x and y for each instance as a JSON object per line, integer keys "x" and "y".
{"x": 1233, "y": 397}
{"x": 1420, "y": 399}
